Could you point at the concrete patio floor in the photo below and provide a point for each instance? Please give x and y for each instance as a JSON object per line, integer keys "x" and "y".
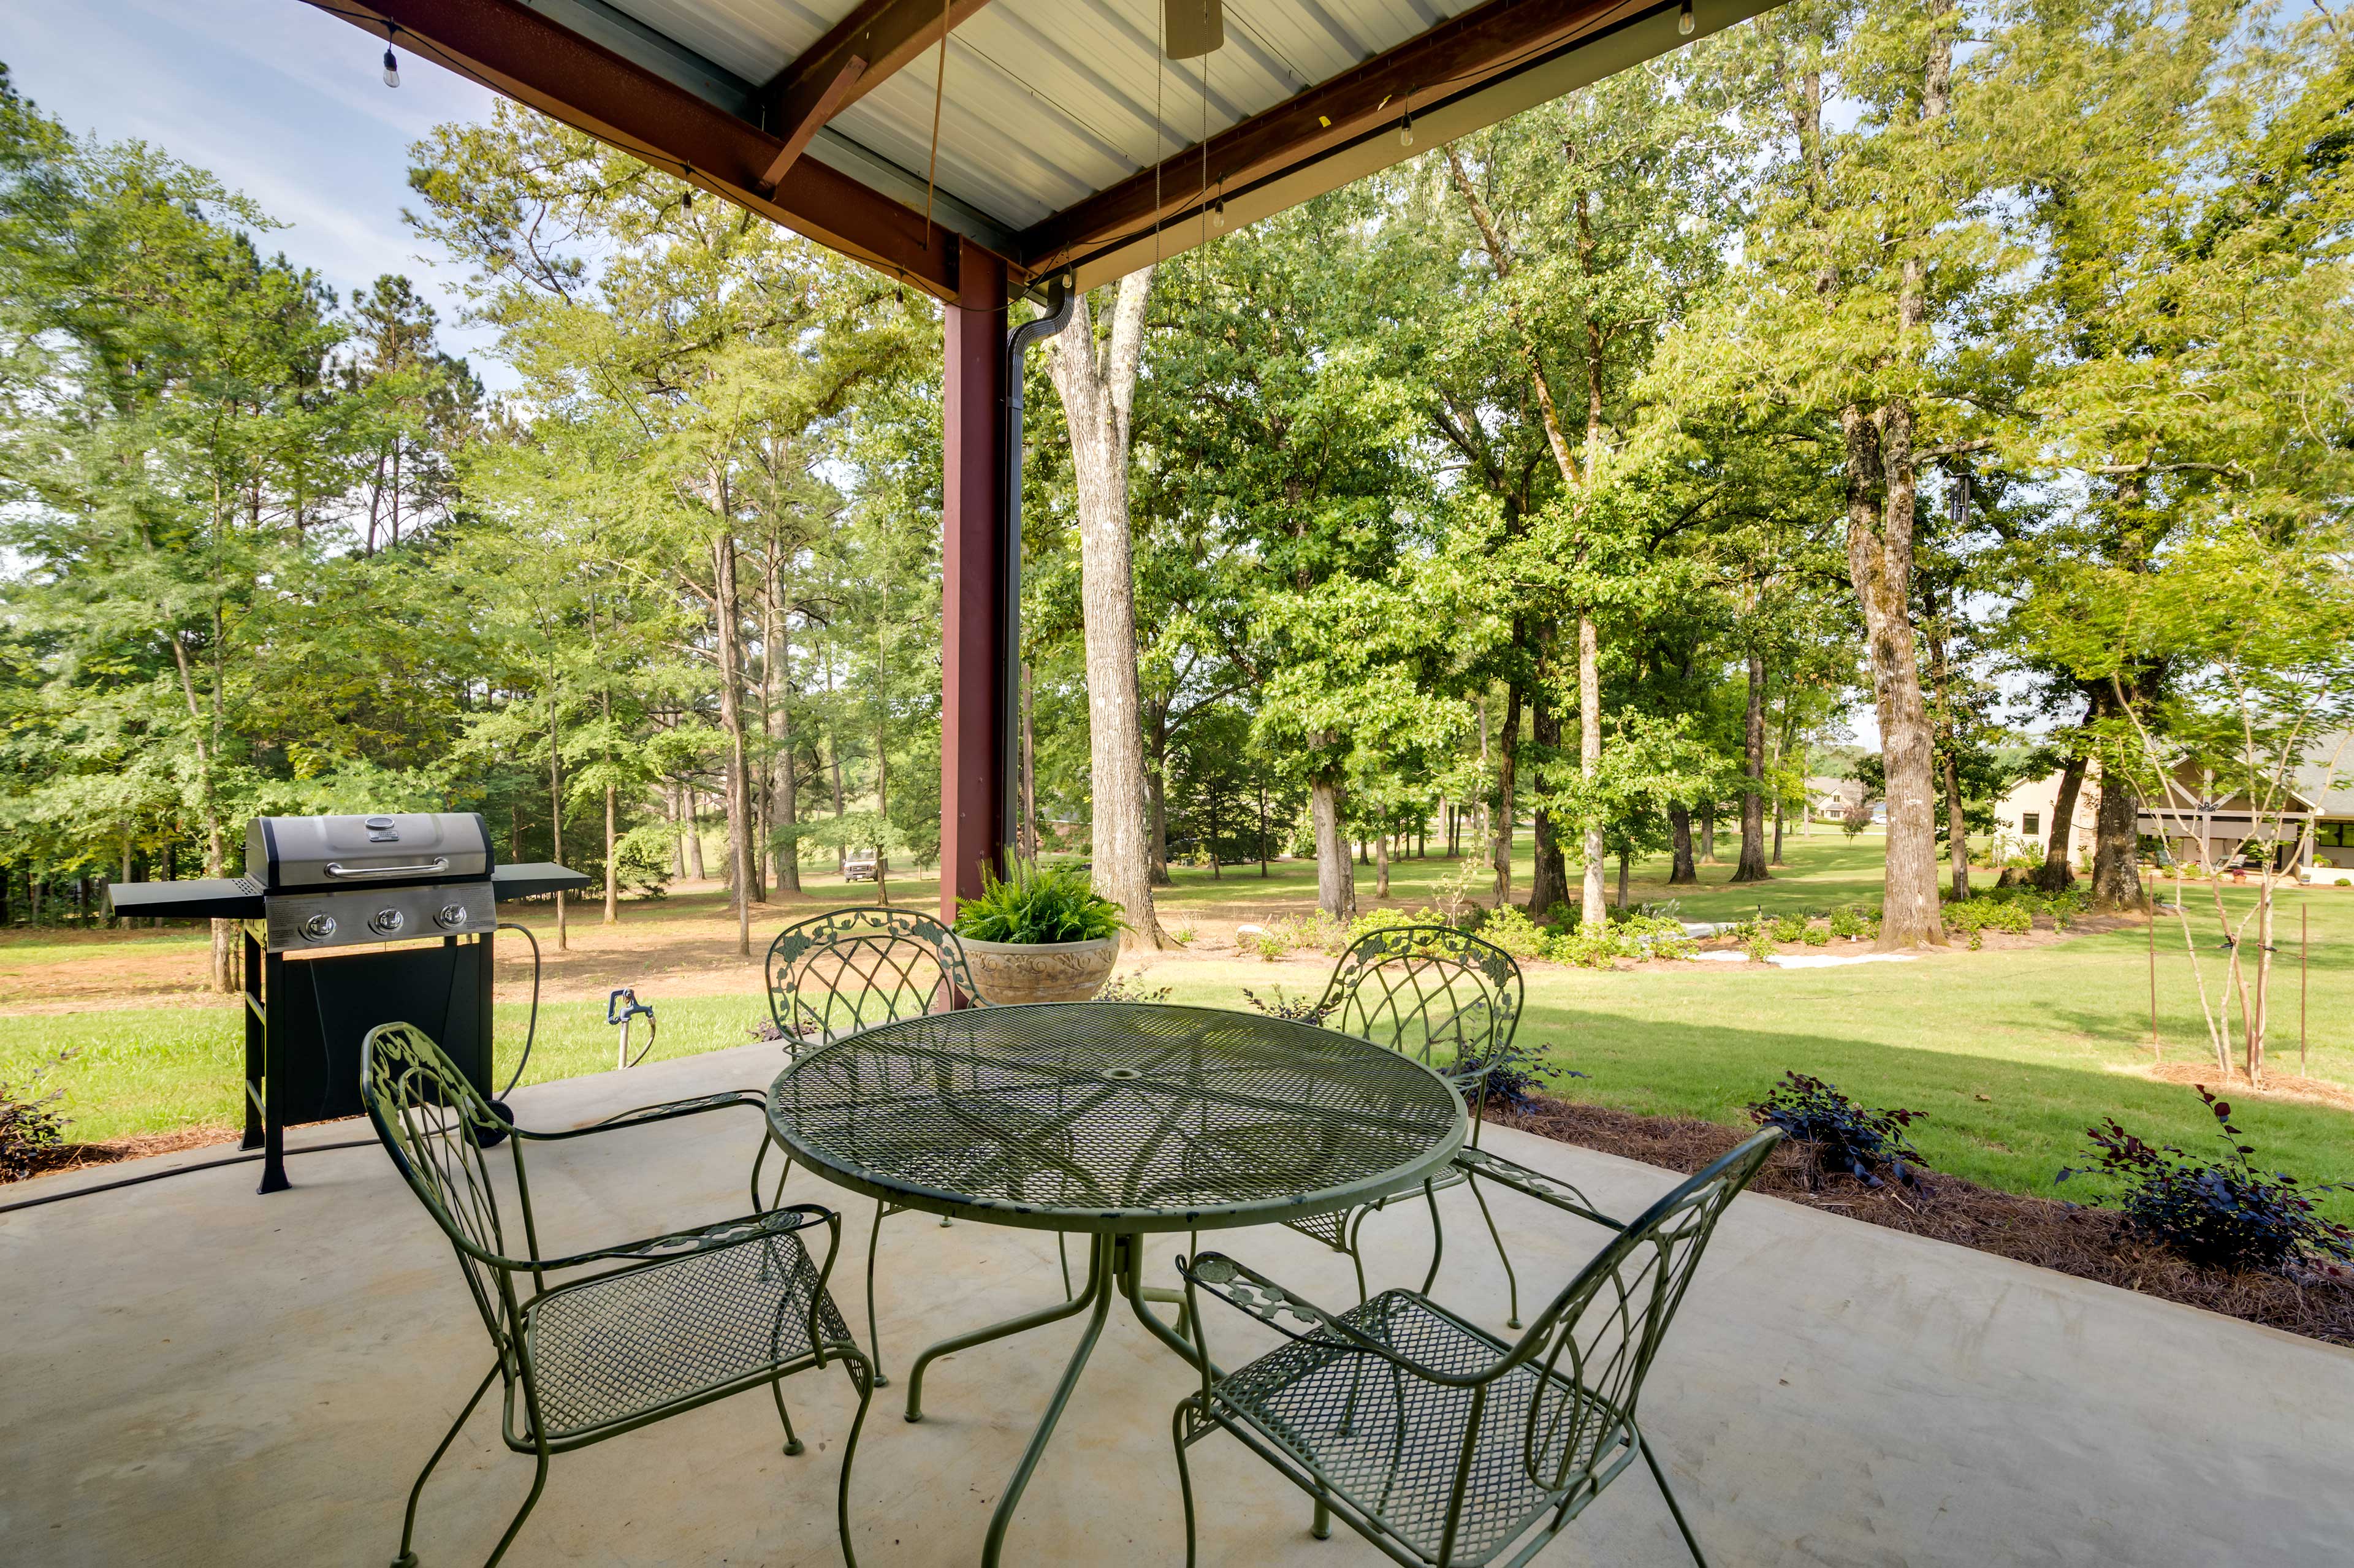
{"x": 197, "y": 1375}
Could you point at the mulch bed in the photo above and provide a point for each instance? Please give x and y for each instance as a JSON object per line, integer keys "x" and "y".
{"x": 75, "y": 1156}
{"x": 2091, "y": 1244}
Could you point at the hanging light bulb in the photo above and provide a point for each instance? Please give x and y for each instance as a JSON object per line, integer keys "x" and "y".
{"x": 1405, "y": 130}
{"x": 686, "y": 199}
{"x": 1218, "y": 214}
{"x": 391, "y": 67}
{"x": 1684, "y": 22}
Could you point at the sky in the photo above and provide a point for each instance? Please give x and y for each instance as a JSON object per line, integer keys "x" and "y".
{"x": 278, "y": 100}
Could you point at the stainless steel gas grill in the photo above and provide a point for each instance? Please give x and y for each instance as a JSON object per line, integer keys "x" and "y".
{"x": 351, "y": 922}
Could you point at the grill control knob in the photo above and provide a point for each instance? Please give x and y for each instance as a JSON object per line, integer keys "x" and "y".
{"x": 451, "y": 916}
{"x": 387, "y": 922}
{"x": 319, "y": 928}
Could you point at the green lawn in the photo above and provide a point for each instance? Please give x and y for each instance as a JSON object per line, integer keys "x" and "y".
{"x": 2011, "y": 1053}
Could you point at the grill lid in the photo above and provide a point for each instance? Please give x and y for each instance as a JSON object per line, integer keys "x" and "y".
{"x": 397, "y": 850}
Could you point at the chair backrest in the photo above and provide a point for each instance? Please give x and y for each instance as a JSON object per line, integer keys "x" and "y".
{"x": 434, "y": 1123}
{"x": 1601, "y": 1333}
{"x": 1420, "y": 988}
{"x": 849, "y": 970}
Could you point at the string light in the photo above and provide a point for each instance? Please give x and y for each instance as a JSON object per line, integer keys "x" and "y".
{"x": 1405, "y": 130}
{"x": 391, "y": 63}
{"x": 1684, "y": 22}
{"x": 1218, "y": 214}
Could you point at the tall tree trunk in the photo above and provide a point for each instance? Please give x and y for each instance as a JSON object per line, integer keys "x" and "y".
{"x": 1097, "y": 391}
{"x": 1752, "y": 867}
{"x": 696, "y": 866}
{"x": 1156, "y": 779}
{"x": 1589, "y": 739}
{"x": 556, "y": 807}
{"x": 786, "y": 810}
{"x": 1382, "y": 866}
{"x": 1708, "y": 833}
{"x": 2117, "y": 848}
{"x": 2056, "y": 874}
{"x": 677, "y": 804}
{"x": 1336, "y": 879}
{"x": 1549, "y": 878}
{"x": 1957, "y": 827}
{"x": 1508, "y": 756}
{"x": 726, "y": 606}
{"x": 1880, "y": 491}
{"x": 1681, "y": 874}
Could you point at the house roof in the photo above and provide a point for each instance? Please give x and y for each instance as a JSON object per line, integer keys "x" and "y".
{"x": 2327, "y": 777}
{"x": 1068, "y": 144}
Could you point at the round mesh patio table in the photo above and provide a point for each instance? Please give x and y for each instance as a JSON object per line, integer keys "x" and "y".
{"x": 1113, "y": 1119}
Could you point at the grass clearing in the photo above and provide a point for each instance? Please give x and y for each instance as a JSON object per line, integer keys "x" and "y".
{"x": 2011, "y": 1053}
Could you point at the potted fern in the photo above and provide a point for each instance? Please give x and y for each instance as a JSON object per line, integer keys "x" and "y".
{"x": 1042, "y": 934}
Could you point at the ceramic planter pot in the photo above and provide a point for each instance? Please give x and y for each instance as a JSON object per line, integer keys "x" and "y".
{"x": 1009, "y": 973}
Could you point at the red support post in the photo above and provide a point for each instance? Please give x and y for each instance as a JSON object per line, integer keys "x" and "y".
{"x": 975, "y": 630}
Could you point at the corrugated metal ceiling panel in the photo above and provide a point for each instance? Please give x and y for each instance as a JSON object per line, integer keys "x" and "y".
{"x": 1051, "y": 100}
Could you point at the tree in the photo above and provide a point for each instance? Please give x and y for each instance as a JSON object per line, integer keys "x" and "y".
{"x": 1097, "y": 383}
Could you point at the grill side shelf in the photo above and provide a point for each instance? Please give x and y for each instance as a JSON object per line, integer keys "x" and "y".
{"x": 535, "y": 877}
{"x": 214, "y": 897}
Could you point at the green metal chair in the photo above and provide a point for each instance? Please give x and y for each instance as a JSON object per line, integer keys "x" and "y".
{"x": 1442, "y": 997}
{"x": 1437, "y": 1441}
{"x": 849, "y": 970}
{"x": 682, "y": 1321}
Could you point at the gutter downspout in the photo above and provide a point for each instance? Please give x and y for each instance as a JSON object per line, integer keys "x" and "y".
{"x": 1059, "y": 301}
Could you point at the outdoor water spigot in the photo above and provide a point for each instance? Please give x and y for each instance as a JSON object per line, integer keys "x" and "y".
{"x": 618, "y": 1015}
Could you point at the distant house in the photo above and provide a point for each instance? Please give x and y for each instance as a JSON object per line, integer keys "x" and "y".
{"x": 2023, "y": 817}
{"x": 1828, "y": 800}
{"x": 2311, "y": 827}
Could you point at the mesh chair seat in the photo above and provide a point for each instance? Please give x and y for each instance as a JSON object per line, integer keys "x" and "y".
{"x": 625, "y": 1346}
{"x": 1388, "y": 1444}
{"x": 1332, "y": 1229}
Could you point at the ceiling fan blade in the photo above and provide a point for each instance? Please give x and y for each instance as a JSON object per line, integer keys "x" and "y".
{"x": 1192, "y": 27}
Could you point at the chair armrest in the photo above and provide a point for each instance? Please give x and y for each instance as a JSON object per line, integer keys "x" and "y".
{"x": 703, "y": 1238}
{"x": 1561, "y": 1195}
{"x": 645, "y": 1116}
{"x": 1245, "y": 1289}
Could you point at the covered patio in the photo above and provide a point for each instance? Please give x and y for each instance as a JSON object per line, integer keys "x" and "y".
{"x": 201, "y": 1376}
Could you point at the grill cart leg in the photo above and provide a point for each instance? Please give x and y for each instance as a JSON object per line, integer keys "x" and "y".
{"x": 273, "y": 1130}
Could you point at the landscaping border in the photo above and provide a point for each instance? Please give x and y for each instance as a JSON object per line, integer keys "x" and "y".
{"x": 2091, "y": 1244}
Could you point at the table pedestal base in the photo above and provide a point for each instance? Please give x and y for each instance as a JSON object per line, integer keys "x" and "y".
{"x": 1115, "y": 1267}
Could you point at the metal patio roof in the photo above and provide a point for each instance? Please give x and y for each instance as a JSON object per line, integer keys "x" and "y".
{"x": 1066, "y": 143}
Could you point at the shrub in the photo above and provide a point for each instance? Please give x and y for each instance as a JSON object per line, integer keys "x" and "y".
{"x": 1515, "y": 1073}
{"x": 1757, "y": 941}
{"x": 1840, "y": 1135}
{"x": 1788, "y": 928}
{"x": 1980, "y": 913}
{"x": 1373, "y": 920}
{"x": 1510, "y": 928}
{"x": 1590, "y": 947}
{"x": 1269, "y": 945}
{"x": 1562, "y": 916}
{"x": 1037, "y": 904}
{"x": 1314, "y": 929}
{"x": 2218, "y": 1213}
{"x": 1182, "y": 936}
{"x": 1300, "y": 1009}
{"x": 1816, "y": 935}
{"x": 29, "y": 1124}
{"x": 1851, "y": 921}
